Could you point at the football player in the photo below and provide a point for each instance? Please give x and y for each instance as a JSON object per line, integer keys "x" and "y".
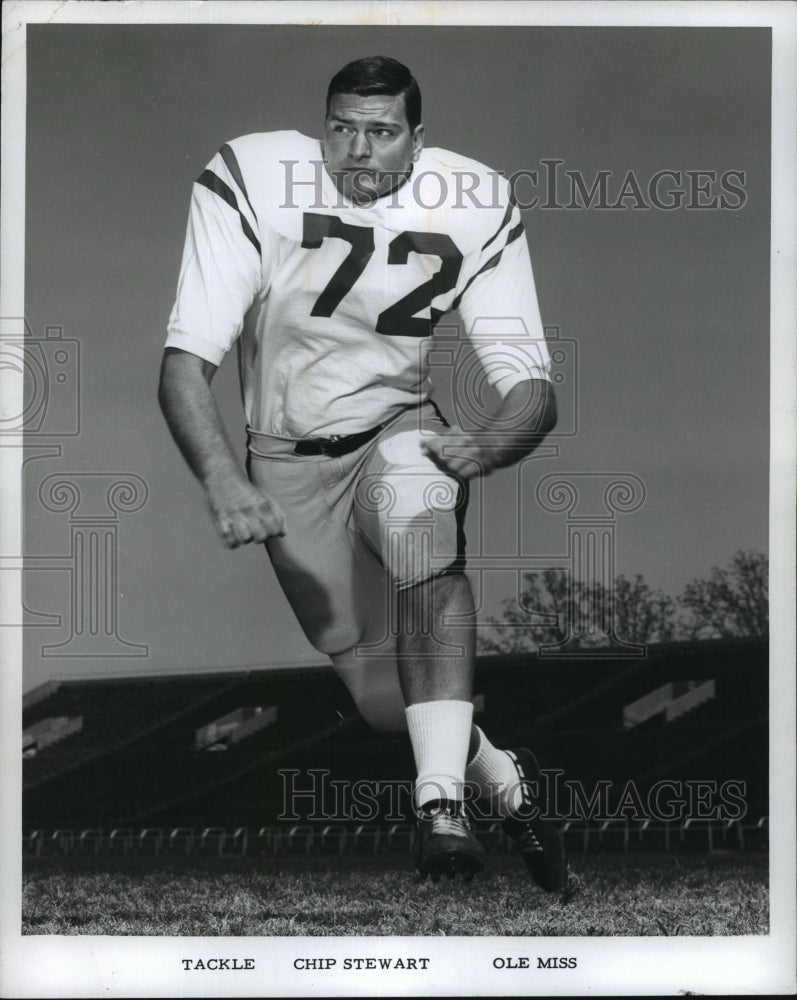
{"x": 328, "y": 263}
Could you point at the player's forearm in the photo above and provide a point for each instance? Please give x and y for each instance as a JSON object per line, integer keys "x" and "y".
{"x": 240, "y": 512}
{"x": 520, "y": 424}
{"x": 193, "y": 418}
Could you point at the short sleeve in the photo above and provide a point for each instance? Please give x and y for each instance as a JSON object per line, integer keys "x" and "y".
{"x": 500, "y": 311}
{"x": 221, "y": 270}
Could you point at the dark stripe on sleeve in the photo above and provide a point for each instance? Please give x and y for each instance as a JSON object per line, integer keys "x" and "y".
{"x": 514, "y": 234}
{"x": 506, "y": 218}
{"x": 231, "y": 160}
{"x": 491, "y": 263}
{"x": 215, "y": 184}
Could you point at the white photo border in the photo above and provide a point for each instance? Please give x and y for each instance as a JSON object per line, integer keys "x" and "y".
{"x": 120, "y": 967}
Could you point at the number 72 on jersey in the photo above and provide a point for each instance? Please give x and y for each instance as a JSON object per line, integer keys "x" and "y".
{"x": 400, "y": 319}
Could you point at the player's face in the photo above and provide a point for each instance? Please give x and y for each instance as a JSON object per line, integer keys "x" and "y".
{"x": 368, "y": 144}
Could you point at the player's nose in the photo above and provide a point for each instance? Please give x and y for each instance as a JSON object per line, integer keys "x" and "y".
{"x": 360, "y": 148}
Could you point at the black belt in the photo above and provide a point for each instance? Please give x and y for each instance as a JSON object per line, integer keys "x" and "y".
{"x": 336, "y": 445}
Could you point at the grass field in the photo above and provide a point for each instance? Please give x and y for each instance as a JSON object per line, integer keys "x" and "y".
{"x": 640, "y": 895}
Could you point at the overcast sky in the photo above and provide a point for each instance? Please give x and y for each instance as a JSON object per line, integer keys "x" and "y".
{"x": 669, "y": 310}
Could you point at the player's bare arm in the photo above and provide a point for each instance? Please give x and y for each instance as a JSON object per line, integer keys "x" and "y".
{"x": 241, "y": 513}
{"x": 477, "y": 453}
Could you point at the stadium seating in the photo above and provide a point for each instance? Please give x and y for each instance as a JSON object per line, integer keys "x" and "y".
{"x": 132, "y": 781}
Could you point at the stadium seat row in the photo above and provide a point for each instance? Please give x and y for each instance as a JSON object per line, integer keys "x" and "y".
{"x": 586, "y": 837}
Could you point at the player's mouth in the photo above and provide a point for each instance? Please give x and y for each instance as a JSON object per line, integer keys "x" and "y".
{"x": 363, "y": 180}
{"x": 366, "y": 184}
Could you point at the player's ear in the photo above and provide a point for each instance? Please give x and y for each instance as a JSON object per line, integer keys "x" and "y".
{"x": 418, "y": 134}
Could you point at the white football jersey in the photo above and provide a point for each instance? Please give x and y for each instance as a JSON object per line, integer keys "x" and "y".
{"x": 332, "y": 303}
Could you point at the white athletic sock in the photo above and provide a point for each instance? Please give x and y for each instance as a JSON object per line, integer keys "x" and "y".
{"x": 439, "y": 733}
{"x": 493, "y": 772}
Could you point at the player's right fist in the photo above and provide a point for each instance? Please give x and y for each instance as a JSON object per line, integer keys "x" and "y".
{"x": 243, "y": 514}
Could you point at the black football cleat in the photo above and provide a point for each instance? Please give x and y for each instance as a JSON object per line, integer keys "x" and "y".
{"x": 538, "y": 840}
{"x": 446, "y": 845}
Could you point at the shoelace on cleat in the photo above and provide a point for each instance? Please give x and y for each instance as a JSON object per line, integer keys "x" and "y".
{"x": 445, "y": 823}
{"x": 528, "y": 842}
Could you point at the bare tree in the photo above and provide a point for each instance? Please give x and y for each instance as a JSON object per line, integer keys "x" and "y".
{"x": 552, "y": 608}
{"x": 641, "y": 614}
{"x": 733, "y": 602}
{"x": 537, "y": 615}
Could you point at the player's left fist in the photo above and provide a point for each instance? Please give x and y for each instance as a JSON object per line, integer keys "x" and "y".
{"x": 457, "y": 453}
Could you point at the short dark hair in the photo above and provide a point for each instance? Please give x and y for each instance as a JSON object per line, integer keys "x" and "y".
{"x": 379, "y": 75}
